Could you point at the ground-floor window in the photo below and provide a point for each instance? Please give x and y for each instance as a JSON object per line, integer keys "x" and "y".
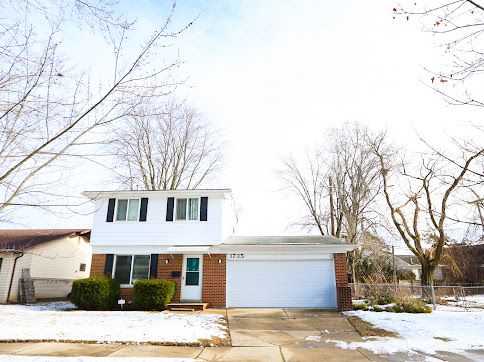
{"x": 130, "y": 268}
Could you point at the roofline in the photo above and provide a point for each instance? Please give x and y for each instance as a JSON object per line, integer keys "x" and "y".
{"x": 75, "y": 232}
{"x": 100, "y": 194}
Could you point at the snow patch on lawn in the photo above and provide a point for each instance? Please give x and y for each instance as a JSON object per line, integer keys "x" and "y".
{"x": 5, "y": 358}
{"x": 428, "y": 333}
{"x": 51, "y": 322}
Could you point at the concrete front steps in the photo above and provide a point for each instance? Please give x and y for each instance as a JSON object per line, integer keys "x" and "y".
{"x": 187, "y": 306}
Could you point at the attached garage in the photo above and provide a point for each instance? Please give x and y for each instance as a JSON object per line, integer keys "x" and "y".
{"x": 291, "y": 281}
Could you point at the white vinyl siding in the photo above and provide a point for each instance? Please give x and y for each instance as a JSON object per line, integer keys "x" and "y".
{"x": 281, "y": 283}
{"x": 55, "y": 260}
{"x": 156, "y": 230}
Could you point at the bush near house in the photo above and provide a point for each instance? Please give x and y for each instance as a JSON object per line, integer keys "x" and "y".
{"x": 153, "y": 294}
{"x": 95, "y": 293}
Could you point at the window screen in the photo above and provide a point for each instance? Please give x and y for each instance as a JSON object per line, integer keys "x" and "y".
{"x": 122, "y": 209}
{"x": 141, "y": 267}
{"x": 192, "y": 209}
{"x": 181, "y": 209}
{"x": 122, "y": 270}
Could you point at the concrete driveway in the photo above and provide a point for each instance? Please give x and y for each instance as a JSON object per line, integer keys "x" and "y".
{"x": 290, "y": 335}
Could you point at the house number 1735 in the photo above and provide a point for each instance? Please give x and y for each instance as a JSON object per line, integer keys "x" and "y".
{"x": 236, "y": 256}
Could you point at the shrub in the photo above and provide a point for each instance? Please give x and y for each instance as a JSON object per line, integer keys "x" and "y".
{"x": 153, "y": 294}
{"x": 95, "y": 293}
{"x": 377, "y": 308}
{"x": 360, "y": 306}
{"x": 412, "y": 306}
{"x": 383, "y": 299}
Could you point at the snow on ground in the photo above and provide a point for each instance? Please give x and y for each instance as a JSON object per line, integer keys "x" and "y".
{"x": 5, "y": 358}
{"x": 438, "y": 331}
{"x": 470, "y": 301}
{"x": 51, "y": 321}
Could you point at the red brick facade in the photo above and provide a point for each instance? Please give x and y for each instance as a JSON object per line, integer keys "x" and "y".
{"x": 214, "y": 281}
{"x": 166, "y": 265}
{"x": 343, "y": 291}
{"x": 214, "y": 278}
{"x": 97, "y": 264}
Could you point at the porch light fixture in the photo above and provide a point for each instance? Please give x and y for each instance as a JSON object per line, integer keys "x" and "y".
{"x": 220, "y": 261}
{"x": 167, "y": 261}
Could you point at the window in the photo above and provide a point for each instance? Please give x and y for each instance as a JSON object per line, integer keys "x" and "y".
{"x": 82, "y": 267}
{"x": 130, "y": 268}
{"x": 187, "y": 209}
{"x": 193, "y": 271}
{"x": 127, "y": 210}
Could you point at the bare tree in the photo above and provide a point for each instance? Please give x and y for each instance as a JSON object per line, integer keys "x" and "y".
{"x": 49, "y": 110}
{"x": 166, "y": 147}
{"x": 458, "y": 27}
{"x": 338, "y": 184}
{"x": 434, "y": 191}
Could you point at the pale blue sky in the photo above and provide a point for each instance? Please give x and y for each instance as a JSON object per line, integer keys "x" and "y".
{"x": 272, "y": 76}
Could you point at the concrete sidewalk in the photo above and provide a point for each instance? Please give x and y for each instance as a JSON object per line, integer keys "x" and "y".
{"x": 263, "y": 353}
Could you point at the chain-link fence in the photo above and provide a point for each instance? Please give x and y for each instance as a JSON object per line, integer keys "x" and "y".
{"x": 461, "y": 297}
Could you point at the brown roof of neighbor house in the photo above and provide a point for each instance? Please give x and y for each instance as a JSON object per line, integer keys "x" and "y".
{"x": 23, "y": 239}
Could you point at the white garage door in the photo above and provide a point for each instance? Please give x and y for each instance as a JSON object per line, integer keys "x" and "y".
{"x": 281, "y": 283}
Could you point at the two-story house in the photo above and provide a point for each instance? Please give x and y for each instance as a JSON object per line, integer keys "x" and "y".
{"x": 188, "y": 236}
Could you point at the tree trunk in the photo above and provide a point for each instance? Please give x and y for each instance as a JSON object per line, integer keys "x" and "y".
{"x": 427, "y": 277}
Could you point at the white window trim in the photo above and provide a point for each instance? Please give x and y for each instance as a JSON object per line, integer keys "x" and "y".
{"x": 127, "y": 208}
{"x": 187, "y": 210}
{"x": 130, "y": 285}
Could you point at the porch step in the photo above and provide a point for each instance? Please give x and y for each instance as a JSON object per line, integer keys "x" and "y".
{"x": 187, "y": 306}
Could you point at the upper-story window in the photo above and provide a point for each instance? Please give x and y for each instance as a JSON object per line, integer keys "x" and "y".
{"x": 127, "y": 210}
{"x": 187, "y": 209}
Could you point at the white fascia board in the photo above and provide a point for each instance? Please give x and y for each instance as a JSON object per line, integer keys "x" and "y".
{"x": 188, "y": 249}
{"x": 282, "y": 249}
{"x": 130, "y": 249}
{"x": 94, "y": 195}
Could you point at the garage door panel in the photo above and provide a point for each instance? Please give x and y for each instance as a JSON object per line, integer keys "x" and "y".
{"x": 301, "y": 283}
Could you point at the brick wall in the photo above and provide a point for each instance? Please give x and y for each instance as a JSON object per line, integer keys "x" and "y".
{"x": 343, "y": 291}
{"x": 97, "y": 264}
{"x": 214, "y": 281}
{"x": 175, "y": 264}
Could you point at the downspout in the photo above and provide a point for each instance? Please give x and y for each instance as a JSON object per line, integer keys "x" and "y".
{"x": 11, "y": 278}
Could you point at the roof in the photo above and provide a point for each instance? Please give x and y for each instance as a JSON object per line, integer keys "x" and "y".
{"x": 98, "y": 194}
{"x": 23, "y": 239}
{"x": 285, "y": 240}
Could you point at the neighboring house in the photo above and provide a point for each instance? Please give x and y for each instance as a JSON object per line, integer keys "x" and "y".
{"x": 410, "y": 262}
{"x": 187, "y": 236}
{"x": 54, "y": 259}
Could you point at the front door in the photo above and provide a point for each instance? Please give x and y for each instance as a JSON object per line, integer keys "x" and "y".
{"x": 191, "y": 288}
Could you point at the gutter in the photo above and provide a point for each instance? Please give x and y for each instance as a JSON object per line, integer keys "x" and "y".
{"x": 13, "y": 273}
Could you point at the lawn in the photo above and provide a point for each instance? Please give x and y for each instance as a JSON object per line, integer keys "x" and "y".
{"x": 61, "y": 322}
{"x": 447, "y": 329}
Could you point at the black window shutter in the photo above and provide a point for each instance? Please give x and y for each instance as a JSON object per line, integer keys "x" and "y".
{"x": 170, "y": 204}
{"x": 203, "y": 208}
{"x": 110, "y": 216}
{"x": 153, "y": 266}
{"x": 108, "y": 265}
{"x": 144, "y": 209}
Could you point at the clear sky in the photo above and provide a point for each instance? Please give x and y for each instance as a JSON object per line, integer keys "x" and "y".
{"x": 272, "y": 76}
